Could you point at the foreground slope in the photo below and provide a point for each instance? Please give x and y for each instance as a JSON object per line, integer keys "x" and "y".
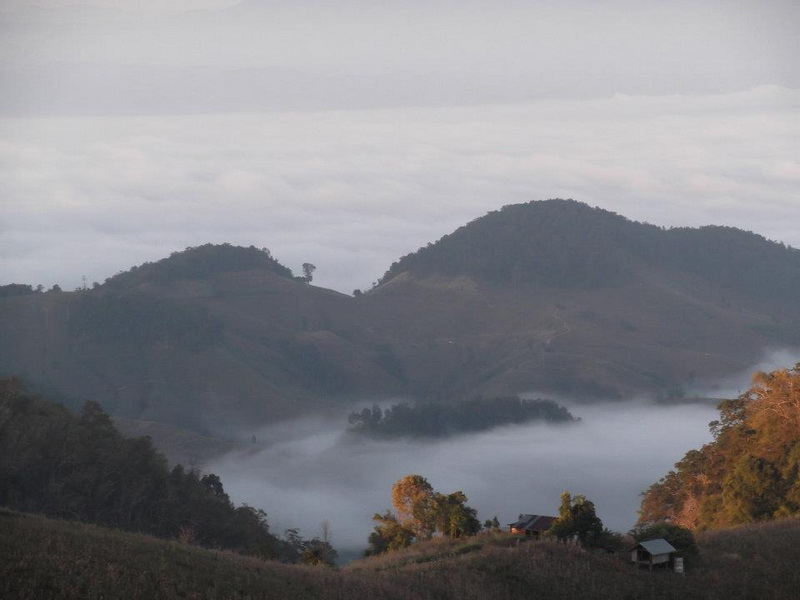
{"x": 41, "y": 558}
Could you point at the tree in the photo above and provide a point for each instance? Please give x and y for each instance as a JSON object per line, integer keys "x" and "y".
{"x": 753, "y": 492}
{"x": 308, "y": 270}
{"x": 750, "y": 472}
{"x": 454, "y": 518}
{"x": 388, "y": 535}
{"x": 421, "y": 513}
{"x": 577, "y": 519}
{"x": 414, "y": 501}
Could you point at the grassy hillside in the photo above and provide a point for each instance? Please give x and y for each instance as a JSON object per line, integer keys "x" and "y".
{"x": 41, "y": 559}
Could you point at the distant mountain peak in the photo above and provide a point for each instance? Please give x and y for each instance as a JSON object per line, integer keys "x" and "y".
{"x": 200, "y": 262}
{"x": 569, "y": 244}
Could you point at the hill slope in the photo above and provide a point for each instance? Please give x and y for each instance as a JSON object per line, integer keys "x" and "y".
{"x": 750, "y": 472}
{"x": 42, "y": 558}
{"x": 206, "y": 339}
{"x": 561, "y": 297}
{"x": 550, "y": 296}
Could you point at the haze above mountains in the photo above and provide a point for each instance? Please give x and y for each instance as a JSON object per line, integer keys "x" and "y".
{"x": 553, "y": 297}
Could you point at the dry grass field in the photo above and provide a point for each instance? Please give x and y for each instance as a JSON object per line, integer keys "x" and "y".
{"x": 42, "y": 558}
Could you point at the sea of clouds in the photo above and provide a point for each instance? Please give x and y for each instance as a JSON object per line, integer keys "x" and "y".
{"x": 352, "y": 191}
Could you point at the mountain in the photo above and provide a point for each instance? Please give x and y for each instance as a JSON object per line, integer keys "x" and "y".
{"x": 212, "y": 338}
{"x": 551, "y": 296}
{"x": 557, "y": 296}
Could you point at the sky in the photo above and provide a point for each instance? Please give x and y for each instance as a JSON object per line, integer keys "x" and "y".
{"x": 349, "y": 133}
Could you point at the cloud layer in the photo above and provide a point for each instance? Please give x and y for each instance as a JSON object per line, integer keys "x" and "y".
{"x": 352, "y": 191}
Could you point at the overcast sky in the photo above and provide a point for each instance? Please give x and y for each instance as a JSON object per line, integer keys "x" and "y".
{"x": 349, "y": 133}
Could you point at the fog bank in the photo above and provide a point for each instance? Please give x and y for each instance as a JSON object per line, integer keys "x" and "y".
{"x": 613, "y": 455}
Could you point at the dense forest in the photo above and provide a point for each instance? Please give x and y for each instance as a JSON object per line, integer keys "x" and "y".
{"x": 750, "y": 471}
{"x": 569, "y": 244}
{"x": 80, "y": 467}
{"x": 437, "y": 420}
{"x": 199, "y": 262}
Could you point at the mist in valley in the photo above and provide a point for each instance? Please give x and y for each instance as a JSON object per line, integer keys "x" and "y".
{"x": 312, "y": 471}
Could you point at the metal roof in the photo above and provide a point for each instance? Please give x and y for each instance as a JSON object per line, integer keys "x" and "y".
{"x": 657, "y": 546}
{"x": 533, "y": 522}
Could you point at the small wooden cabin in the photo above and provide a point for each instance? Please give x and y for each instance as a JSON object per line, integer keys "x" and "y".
{"x": 653, "y": 553}
{"x": 531, "y": 525}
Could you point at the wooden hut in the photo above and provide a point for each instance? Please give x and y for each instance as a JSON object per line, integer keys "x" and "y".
{"x": 652, "y": 552}
{"x": 531, "y": 525}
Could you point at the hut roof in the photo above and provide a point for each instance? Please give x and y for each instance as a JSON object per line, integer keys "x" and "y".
{"x": 657, "y": 546}
{"x": 533, "y": 522}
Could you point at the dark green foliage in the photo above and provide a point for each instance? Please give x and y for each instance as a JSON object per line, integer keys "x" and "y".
{"x": 388, "y": 535}
{"x": 436, "y": 420}
{"x": 681, "y": 538}
{"x": 568, "y": 244}
{"x": 81, "y": 468}
{"x": 198, "y": 263}
{"x": 557, "y": 242}
{"x": 15, "y": 289}
{"x": 139, "y": 318}
{"x": 577, "y": 519}
{"x": 308, "y": 272}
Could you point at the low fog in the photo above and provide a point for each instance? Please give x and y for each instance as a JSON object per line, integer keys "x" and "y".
{"x": 313, "y": 472}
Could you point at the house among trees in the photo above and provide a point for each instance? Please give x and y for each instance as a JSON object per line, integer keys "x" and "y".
{"x": 531, "y": 525}
{"x": 652, "y": 552}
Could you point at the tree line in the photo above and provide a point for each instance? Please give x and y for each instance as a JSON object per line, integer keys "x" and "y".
{"x": 750, "y": 471}
{"x": 440, "y": 419}
{"x": 420, "y": 513}
{"x": 80, "y": 467}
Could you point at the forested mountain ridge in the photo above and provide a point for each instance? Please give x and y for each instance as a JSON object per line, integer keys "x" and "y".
{"x": 566, "y": 243}
{"x": 551, "y": 296}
